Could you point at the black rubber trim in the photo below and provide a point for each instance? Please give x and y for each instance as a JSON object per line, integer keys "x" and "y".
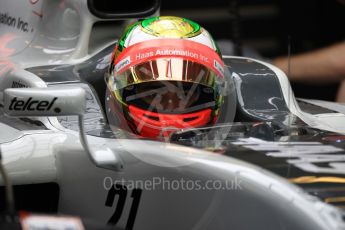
{"x": 40, "y": 198}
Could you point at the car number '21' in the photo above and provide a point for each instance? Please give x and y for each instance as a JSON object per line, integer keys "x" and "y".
{"x": 121, "y": 191}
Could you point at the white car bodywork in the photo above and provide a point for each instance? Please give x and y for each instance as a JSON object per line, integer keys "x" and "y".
{"x": 54, "y": 154}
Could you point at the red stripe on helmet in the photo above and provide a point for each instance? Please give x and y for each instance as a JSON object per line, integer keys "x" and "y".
{"x": 157, "y": 48}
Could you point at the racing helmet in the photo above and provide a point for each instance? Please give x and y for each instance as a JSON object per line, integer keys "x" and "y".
{"x": 166, "y": 74}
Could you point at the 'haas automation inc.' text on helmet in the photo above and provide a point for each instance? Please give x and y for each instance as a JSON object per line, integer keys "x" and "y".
{"x": 166, "y": 74}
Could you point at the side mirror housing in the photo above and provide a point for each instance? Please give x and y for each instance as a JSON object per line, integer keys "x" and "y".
{"x": 27, "y": 102}
{"x": 45, "y": 102}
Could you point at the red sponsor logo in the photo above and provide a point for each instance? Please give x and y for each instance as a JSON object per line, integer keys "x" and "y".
{"x": 6, "y": 65}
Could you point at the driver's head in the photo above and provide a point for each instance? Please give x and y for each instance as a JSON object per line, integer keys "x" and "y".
{"x": 166, "y": 74}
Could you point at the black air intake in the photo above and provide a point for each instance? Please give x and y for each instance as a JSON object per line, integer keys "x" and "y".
{"x": 110, "y": 9}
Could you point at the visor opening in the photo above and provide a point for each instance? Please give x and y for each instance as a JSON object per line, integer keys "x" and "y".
{"x": 187, "y": 119}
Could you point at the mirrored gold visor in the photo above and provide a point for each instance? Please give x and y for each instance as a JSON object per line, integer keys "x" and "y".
{"x": 169, "y": 78}
{"x": 172, "y": 69}
{"x": 168, "y": 85}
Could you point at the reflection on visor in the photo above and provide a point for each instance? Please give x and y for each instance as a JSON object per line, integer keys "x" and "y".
{"x": 168, "y": 85}
{"x": 176, "y": 69}
{"x": 170, "y": 97}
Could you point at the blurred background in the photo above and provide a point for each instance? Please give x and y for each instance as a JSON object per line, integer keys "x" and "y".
{"x": 264, "y": 26}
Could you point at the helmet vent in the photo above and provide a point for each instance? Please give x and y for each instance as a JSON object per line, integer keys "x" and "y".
{"x": 151, "y": 117}
{"x": 189, "y": 119}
